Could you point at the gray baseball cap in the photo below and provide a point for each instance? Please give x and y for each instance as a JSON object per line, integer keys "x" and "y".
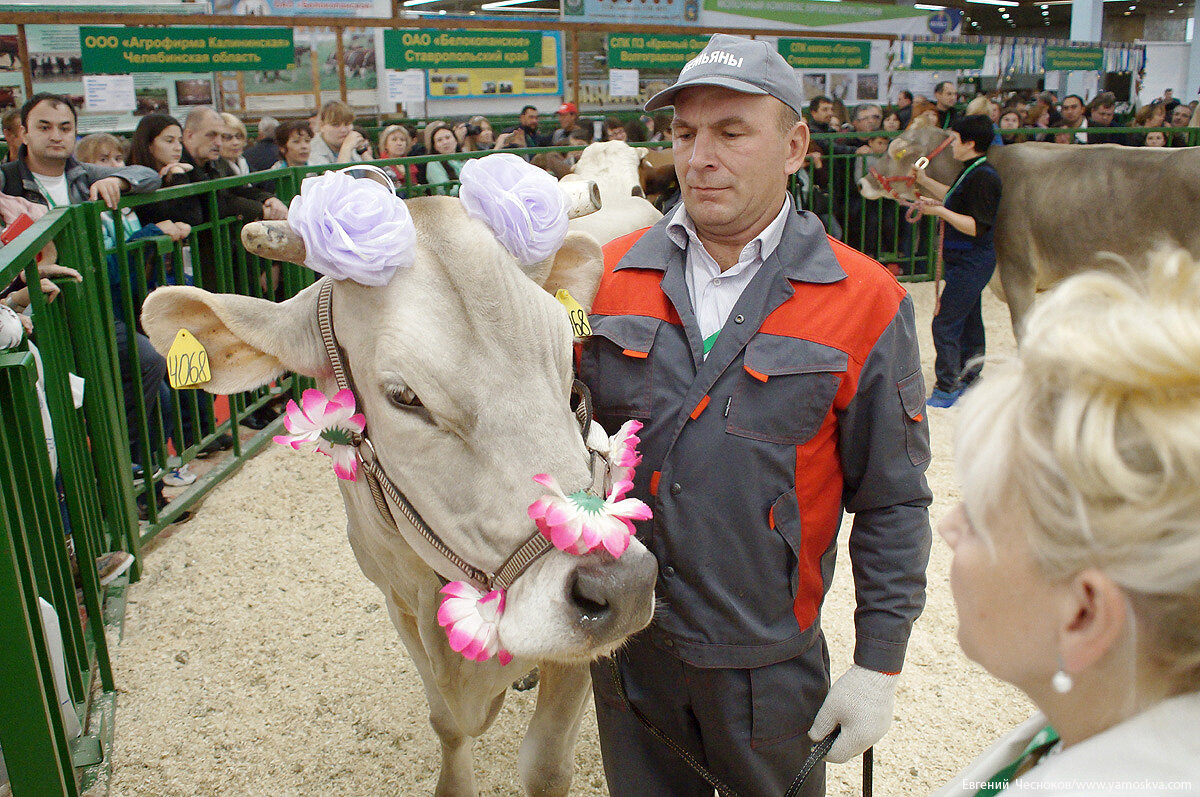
{"x": 746, "y": 65}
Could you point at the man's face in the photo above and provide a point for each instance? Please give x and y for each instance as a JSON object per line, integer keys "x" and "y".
{"x": 567, "y": 119}
{"x": 530, "y": 119}
{"x": 1168, "y": 94}
{"x": 1102, "y": 116}
{"x": 731, "y": 158}
{"x": 1072, "y": 110}
{"x": 946, "y": 96}
{"x": 1181, "y": 116}
{"x": 50, "y": 131}
{"x": 823, "y": 113}
{"x": 203, "y": 142}
{"x": 868, "y": 120}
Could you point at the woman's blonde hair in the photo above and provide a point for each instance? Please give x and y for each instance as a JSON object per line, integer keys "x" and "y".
{"x": 1089, "y": 442}
{"x": 93, "y": 146}
{"x": 235, "y": 123}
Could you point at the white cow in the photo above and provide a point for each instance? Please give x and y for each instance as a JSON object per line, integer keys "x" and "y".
{"x": 462, "y": 366}
{"x": 613, "y": 166}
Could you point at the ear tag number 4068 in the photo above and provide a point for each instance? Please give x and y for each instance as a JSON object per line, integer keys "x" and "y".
{"x": 187, "y": 362}
{"x": 575, "y": 311}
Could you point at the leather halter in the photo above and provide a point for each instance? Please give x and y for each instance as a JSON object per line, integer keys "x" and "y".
{"x": 423, "y": 540}
{"x": 908, "y": 179}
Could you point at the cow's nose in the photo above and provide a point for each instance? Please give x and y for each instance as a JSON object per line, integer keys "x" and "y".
{"x": 614, "y": 598}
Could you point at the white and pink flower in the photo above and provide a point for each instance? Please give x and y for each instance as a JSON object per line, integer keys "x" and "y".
{"x": 330, "y": 423}
{"x": 583, "y": 521}
{"x": 471, "y": 619}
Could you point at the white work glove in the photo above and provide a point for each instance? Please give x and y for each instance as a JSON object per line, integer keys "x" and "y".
{"x": 861, "y": 701}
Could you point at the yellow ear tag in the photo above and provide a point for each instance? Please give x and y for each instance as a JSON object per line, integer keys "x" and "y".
{"x": 187, "y": 362}
{"x": 575, "y": 311}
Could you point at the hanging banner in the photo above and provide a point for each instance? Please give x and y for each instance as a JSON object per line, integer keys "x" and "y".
{"x": 826, "y": 53}
{"x": 813, "y": 14}
{"x": 669, "y": 12}
{"x": 645, "y": 51}
{"x": 110, "y": 50}
{"x": 1089, "y": 59}
{"x": 543, "y": 78}
{"x": 943, "y": 55}
{"x": 461, "y": 49}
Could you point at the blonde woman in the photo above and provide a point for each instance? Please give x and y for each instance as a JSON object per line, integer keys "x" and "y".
{"x": 233, "y": 144}
{"x": 1076, "y": 569}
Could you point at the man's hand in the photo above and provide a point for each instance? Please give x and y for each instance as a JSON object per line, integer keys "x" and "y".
{"x": 109, "y": 189}
{"x": 930, "y": 207}
{"x": 861, "y": 702}
{"x": 274, "y": 209}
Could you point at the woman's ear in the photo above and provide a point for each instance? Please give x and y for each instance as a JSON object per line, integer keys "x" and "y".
{"x": 1093, "y": 617}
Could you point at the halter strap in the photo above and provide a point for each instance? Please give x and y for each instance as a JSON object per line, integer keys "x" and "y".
{"x": 383, "y": 489}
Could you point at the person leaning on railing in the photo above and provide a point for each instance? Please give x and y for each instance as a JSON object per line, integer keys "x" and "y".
{"x": 396, "y": 142}
{"x": 336, "y": 140}
{"x": 1076, "y": 570}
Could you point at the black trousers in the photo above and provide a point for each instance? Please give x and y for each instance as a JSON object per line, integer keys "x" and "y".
{"x": 749, "y": 727}
{"x": 958, "y": 335}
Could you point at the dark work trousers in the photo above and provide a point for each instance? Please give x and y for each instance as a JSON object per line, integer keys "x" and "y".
{"x": 153, "y": 368}
{"x": 958, "y": 325}
{"x": 749, "y": 727}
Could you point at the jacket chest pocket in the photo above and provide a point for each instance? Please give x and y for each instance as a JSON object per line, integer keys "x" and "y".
{"x": 785, "y": 390}
{"x": 615, "y": 364}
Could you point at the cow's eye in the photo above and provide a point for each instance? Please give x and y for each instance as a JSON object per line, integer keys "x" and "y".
{"x": 404, "y": 397}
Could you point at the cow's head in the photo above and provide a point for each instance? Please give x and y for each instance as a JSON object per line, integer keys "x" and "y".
{"x": 462, "y": 366}
{"x": 896, "y": 165}
{"x": 615, "y": 168}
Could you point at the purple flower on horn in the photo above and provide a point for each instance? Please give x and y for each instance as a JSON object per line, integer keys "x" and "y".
{"x": 522, "y": 204}
{"x": 353, "y": 229}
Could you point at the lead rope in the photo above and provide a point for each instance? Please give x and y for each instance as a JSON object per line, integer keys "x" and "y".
{"x": 377, "y": 479}
{"x": 819, "y": 749}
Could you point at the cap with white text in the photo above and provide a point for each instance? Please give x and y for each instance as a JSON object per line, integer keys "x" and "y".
{"x": 746, "y": 65}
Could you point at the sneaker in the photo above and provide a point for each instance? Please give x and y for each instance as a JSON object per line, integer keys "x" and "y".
{"x": 110, "y": 566}
{"x": 139, "y": 476}
{"x": 220, "y": 443}
{"x": 943, "y": 398}
{"x": 179, "y": 477}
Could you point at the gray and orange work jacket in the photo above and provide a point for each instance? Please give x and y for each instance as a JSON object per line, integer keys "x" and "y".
{"x": 810, "y": 402}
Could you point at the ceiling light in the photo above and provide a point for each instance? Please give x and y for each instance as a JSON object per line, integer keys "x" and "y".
{"x": 1007, "y": 3}
{"x": 411, "y": 3}
{"x": 926, "y": 7}
{"x": 507, "y": 5}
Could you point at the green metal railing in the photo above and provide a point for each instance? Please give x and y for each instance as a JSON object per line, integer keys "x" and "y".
{"x": 51, "y": 540}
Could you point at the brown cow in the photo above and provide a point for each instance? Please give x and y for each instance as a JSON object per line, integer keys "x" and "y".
{"x": 1065, "y": 208}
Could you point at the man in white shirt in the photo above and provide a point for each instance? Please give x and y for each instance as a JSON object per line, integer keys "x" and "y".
{"x": 46, "y": 171}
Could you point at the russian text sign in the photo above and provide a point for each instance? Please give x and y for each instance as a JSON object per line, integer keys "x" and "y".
{"x": 1087, "y": 59}
{"x": 826, "y": 53}
{"x": 932, "y": 56}
{"x": 461, "y": 49}
{"x": 109, "y": 50}
{"x": 663, "y": 53}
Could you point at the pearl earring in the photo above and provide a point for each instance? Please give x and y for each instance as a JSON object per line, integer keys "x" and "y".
{"x": 1062, "y": 681}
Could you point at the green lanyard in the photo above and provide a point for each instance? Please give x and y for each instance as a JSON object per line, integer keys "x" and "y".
{"x": 1038, "y": 746}
{"x": 46, "y": 192}
{"x": 963, "y": 176}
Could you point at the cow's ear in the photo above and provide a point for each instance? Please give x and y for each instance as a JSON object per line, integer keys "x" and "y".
{"x": 249, "y": 341}
{"x": 577, "y": 267}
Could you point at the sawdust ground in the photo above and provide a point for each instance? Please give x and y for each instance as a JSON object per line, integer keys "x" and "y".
{"x": 258, "y": 660}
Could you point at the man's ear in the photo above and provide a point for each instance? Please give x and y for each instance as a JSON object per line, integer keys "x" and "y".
{"x": 578, "y": 266}
{"x": 249, "y": 341}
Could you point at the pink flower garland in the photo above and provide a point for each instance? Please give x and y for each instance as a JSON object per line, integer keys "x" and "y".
{"x": 331, "y": 423}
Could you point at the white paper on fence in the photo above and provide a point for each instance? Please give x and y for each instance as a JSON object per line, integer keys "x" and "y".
{"x": 622, "y": 83}
{"x": 108, "y": 93}
{"x": 406, "y": 86}
{"x": 54, "y": 646}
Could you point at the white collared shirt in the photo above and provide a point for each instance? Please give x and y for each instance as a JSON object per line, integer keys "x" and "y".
{"x": 713, "y": 292}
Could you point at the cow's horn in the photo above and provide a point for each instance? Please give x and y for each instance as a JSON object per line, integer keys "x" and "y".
{"x": 583, "y": 197}
{"x": 274, "y": 240}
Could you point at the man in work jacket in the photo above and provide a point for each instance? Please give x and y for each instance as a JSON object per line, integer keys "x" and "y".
{"x": 777, "y": 376}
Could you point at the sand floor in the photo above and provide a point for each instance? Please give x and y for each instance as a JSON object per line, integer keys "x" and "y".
{"x": 257, "y": 659}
